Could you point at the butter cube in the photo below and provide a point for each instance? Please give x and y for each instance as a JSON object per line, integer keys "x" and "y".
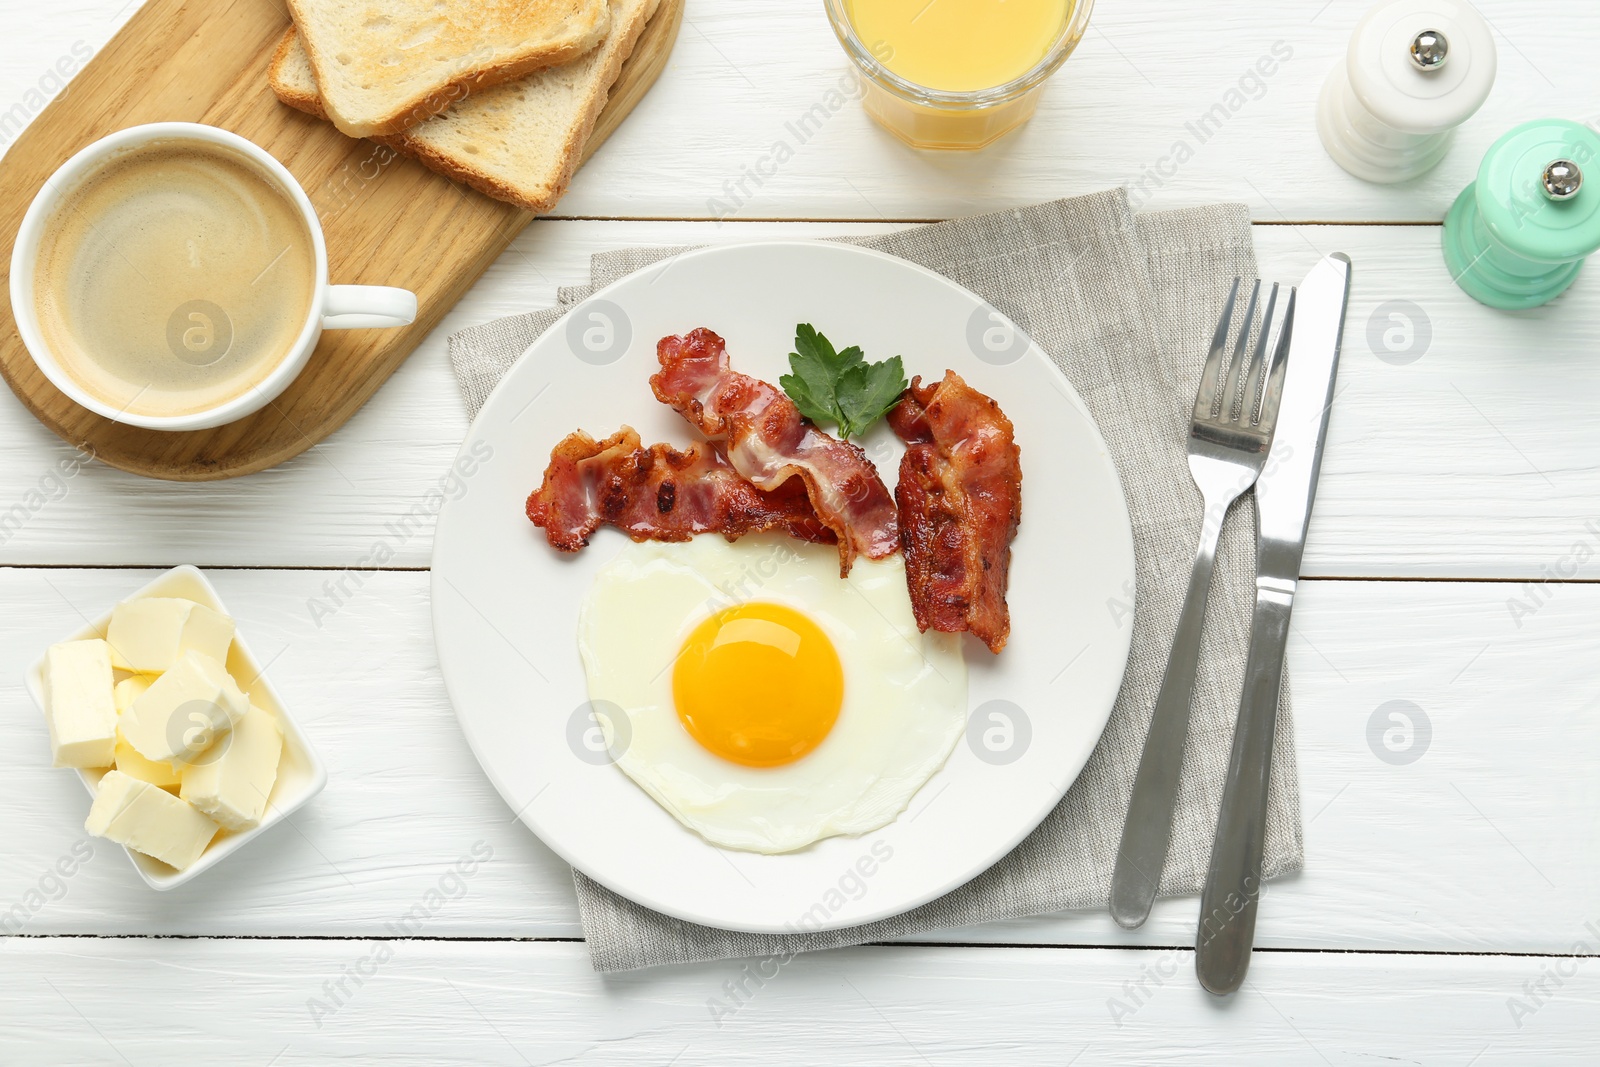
{"x": 81, "y": 712}
{"x": 231, "y": 781}
{"x": 130, "y": 689}
{"x": 148, "y": 819}
{"x": 132, "y": 764}
{"x": 129, "y": 761}
{"x": 150, "y": 635}
{"x": 184, "y": 711}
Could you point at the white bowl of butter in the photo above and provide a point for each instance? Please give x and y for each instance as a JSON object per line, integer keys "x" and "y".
{"x": 173, "y": 728}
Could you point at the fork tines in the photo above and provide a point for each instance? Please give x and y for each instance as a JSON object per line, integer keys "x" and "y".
{"x": 1239, "y": 392}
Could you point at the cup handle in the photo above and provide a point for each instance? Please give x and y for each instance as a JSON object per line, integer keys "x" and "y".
{"x": 352, "y": 307}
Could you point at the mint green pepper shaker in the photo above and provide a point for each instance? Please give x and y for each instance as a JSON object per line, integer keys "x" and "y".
{"x": 1517, "y": 237}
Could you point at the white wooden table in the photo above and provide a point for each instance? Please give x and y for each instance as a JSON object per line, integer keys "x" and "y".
{"x": 1449, "y": 912}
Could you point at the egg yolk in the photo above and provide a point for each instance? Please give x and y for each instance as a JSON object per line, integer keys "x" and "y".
{"x": 759, "y": 684}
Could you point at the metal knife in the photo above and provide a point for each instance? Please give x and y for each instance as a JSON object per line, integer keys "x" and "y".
{"x": 1284, "y": 495}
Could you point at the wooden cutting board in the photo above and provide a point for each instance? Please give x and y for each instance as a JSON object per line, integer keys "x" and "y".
{"x": 389, "y": 220}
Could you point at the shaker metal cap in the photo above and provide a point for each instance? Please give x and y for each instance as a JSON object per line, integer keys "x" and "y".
{"x": 1562, "y": 179}
{"x": 1429, "y": 50}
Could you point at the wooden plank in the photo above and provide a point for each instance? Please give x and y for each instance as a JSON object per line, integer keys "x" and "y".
{"x": 413, "y": 228}
{"x": 1419, "y": 856}
{"x": 744, "y": 72}
{"x": 1460, "y": 463}
{"x": 478, "y": 1003}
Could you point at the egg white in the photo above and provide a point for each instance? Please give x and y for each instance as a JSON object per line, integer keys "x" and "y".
{"x": 905, "y": 692}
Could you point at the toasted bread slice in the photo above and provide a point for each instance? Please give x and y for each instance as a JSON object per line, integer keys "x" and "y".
{"x": 380, "y": 70}
{"x": 519, "y": 142}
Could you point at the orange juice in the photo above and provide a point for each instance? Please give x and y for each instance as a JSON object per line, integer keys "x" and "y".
{"x": 956, "y": 73}
{"x": 959, "y": 45}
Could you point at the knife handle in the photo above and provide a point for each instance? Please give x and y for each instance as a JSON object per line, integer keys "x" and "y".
{"x": 1233, "y": 881}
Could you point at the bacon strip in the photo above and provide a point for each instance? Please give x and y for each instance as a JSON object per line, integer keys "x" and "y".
{"x": 765, "y": 439}
{"x": 960, "y": 497}
{"x": 658, "y": 494}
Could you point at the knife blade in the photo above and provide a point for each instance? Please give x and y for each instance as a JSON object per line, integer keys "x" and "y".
{"x": 1284, "y": 495}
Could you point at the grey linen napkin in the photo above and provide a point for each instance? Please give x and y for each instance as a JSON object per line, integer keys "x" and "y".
{"x": 1124, "y": 304}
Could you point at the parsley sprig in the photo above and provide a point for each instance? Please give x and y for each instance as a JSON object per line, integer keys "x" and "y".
{"x": 840, "y": 387}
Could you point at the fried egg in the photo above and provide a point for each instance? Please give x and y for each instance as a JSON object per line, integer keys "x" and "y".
{"x": 764, "y": 701}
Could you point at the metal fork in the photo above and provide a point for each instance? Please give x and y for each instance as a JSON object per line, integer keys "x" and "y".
{"x": 1235, "y": 412}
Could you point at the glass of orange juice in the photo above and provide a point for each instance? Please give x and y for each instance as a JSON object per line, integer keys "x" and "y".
{"x": 956, "y": 73}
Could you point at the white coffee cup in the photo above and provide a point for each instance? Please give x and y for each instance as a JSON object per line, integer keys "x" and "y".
{"x": 333, "y": 307}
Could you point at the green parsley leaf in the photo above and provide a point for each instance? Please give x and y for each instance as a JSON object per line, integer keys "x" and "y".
{"x": 866, "y": 392}
{"x": 840, "y": 387}
{"x": 801, "y": 393}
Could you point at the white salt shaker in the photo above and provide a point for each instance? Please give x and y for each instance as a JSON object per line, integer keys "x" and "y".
{"x": 1414, "y": 71}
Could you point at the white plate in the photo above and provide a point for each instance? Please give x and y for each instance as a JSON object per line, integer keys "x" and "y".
{"x": 505, "y": 605}
{"x": 301, "y": 774}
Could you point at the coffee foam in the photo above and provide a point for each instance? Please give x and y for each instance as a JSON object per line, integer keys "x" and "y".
{"x": 174, "y": 278}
